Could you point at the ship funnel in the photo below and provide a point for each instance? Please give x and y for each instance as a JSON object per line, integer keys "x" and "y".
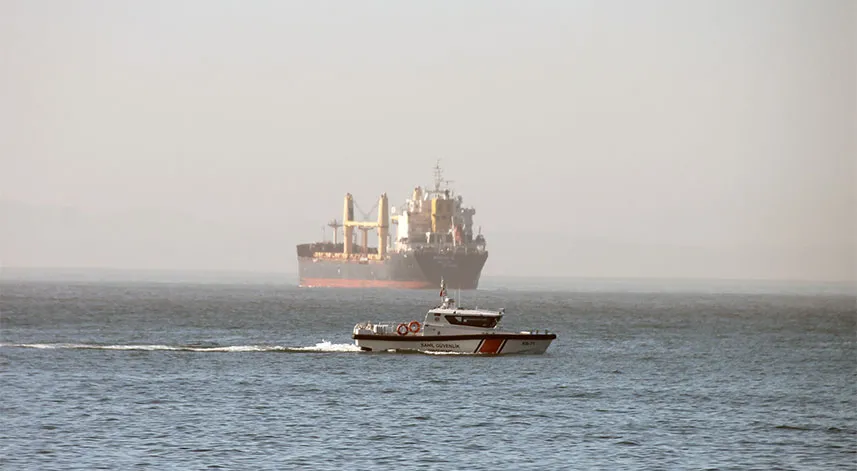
{"x": 348, "y": 229}
{"x": 383, "y": 225}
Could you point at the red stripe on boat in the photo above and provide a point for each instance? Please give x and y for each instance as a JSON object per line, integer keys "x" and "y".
{"x": 491, "y": 346}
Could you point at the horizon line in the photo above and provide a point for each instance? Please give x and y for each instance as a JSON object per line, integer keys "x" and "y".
{"x": 252, "y": 272}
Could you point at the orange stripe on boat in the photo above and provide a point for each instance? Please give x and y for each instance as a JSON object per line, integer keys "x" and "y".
{"x": 491, "y": 346}
{"x": 345, "y": 283}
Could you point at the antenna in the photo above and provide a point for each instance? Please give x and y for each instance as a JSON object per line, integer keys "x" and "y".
{"x": 438, "y": 178}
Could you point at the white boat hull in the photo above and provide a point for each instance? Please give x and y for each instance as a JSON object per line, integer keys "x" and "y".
{"x": 493, "y": 344}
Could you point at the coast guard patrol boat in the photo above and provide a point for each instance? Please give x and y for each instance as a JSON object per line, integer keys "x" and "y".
{"x": 451, "y": 329}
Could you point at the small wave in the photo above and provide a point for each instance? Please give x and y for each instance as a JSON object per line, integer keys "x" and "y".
{"x": 792, "y": 427}
{"x": 323, "y": 346}
{"x": 842, "y": 430}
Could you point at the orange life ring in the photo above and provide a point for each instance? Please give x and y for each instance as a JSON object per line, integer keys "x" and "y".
{"x": 402, "y": 329}
{"x": 414, "y": 327}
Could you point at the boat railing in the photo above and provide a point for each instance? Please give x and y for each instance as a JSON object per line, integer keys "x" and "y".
{"x": 536, "y": 331}
{"x": 380, "y": 328}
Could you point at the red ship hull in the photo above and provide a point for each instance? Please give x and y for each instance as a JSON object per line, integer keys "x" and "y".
{"x": 460, "y": 269}
{"x": 345, "y": 283}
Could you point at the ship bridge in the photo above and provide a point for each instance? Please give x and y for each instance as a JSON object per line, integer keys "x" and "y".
{"x": 436, "y": 217}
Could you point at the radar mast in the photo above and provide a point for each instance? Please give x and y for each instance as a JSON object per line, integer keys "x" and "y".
{"x": 440, "y": 181}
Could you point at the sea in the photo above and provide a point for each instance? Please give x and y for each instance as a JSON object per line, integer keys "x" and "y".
{"x": 133, "y": 374}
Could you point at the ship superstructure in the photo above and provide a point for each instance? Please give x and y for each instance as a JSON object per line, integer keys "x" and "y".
{"x": 432, "y": 238}
{"x": 436, "y": 219}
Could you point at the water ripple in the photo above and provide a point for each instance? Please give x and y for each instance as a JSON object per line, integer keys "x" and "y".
{"x": 110, "y": 377}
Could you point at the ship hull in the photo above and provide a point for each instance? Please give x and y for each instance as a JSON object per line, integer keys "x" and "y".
{"x": 492, "y": 344}
{"x": 409, "y": 270}
{"x": 363, "y": 283}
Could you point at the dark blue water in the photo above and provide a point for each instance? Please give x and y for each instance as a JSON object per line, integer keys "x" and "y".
{"x": 168, "y": 376}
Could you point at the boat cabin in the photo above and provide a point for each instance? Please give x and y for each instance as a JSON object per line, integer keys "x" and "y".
{"x": 450, "y": 315}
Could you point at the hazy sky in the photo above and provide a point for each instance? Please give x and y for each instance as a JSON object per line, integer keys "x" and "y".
{"x": 595, "y": 138}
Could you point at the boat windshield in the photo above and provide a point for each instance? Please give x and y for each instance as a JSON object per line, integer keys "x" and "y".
{"x": 473, "y": 321}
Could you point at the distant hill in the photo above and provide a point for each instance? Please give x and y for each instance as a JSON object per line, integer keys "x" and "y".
{"x": 117, "y": 275}
{"x": 41, "y": 236}
{"x": 615, "y": 256}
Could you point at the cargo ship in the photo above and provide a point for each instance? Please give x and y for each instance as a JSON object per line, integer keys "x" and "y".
{"x": 429, "y": 239}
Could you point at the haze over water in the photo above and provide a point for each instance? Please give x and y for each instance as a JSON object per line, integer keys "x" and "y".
{"x": 712, "y": 139}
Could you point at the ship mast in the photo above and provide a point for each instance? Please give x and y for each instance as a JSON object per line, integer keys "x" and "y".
{"x": 439, "y": 180}
{"x": 438, "y": 176}
{"x": 335, "y": 225}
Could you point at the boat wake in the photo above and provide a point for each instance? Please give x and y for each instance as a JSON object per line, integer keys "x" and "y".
{"x": 448, "y": 353}
{"x": 322, "y": 347}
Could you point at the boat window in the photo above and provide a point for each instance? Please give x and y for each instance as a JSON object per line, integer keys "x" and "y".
{"x": 473, "y": 321}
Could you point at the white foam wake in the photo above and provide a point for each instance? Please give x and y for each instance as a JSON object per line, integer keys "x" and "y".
{"x": 323, "y": 346}
{"x": 326, "y": 346}
{"x": 427, "y": 352}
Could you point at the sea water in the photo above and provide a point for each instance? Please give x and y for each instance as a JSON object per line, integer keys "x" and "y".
{"x": 206, "y": 376}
